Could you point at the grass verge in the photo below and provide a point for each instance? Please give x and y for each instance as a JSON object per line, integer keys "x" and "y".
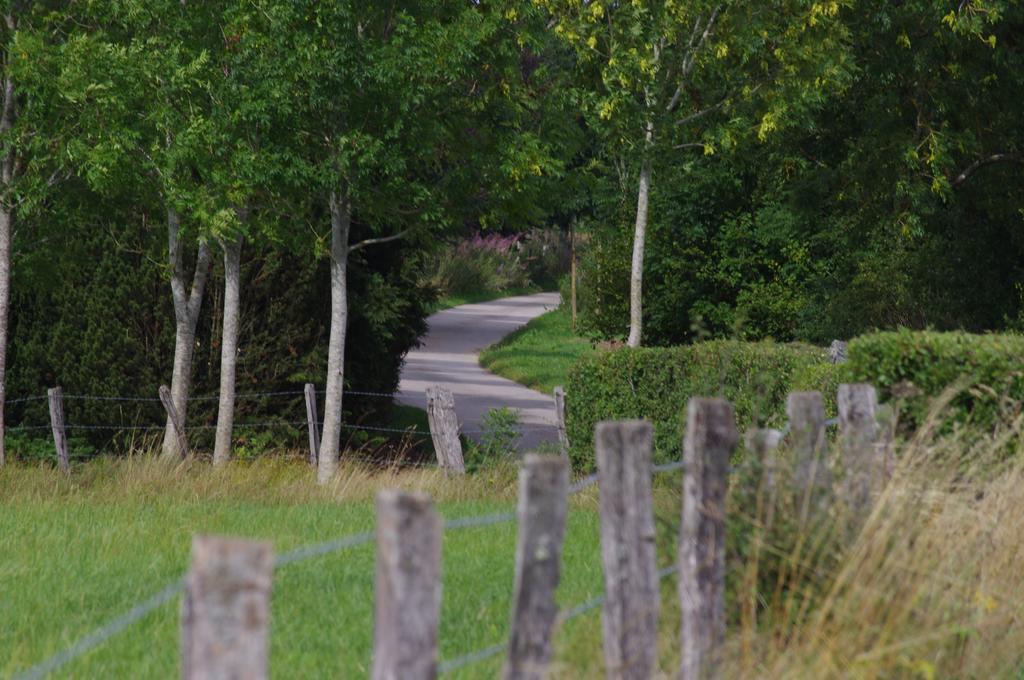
{"x": 540, "y": 354}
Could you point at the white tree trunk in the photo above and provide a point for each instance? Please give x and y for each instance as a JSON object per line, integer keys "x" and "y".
{"x": 186, "y": 316}
{"x": 228, "y": 350}
{"x": 341, "y": 220}
{"x": 636, "y": 278}
{"x": 7, "y": 170}
{"x": 6, "y": 218}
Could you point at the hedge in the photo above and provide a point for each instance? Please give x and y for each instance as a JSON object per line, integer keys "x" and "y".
{"x": 910, "y": 368}
{"x": 656, "y": 383}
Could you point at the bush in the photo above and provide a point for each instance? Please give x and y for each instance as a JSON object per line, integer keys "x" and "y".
{"x": 496, "y": 263}
{"x": 656, "y": 384}
{"x": 497, "y": 441}
{"x": 912, "y": 367}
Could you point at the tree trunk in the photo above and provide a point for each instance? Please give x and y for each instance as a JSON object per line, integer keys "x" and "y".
{"x": 6, "y": 218}
{"x": 186, "y": 316}
{"x": 228, "y": 350}
{"x": 7, "y": 170}
{"x": 636, "y": 277}
{"x": 341, "y": 220}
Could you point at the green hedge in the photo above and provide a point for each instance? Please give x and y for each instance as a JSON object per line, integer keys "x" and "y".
{"x": 656, "y": 384}
{"x": 910, "y": 368}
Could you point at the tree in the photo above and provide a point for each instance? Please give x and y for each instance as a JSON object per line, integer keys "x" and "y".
{"x": 135, "y": 75}
{"x": 30, "y": 121}
{"x": 391, "y": 96}
{"x": 663, "y": 78}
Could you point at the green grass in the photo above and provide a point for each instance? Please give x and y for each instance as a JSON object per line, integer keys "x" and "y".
{"x": 449, "y": 301}
{"x": 76, "y": 553}
{"x": 540, "y": 354}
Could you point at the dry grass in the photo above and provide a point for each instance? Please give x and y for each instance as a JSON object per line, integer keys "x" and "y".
{"x": 930, "y": 584}
{"x": 277, "y": 480}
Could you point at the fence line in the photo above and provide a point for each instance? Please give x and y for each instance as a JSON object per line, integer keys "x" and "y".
{"x": 300, "y": 554}
{"x": 624, "y": 462}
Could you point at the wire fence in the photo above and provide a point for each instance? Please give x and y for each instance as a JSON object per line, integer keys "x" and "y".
{"x": 170, "y": 591}
{"x": 300, "y": 554}
{"x": 153, "y": 427}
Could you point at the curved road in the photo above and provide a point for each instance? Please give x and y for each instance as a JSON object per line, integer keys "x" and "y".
{"x": 449, "y": 357}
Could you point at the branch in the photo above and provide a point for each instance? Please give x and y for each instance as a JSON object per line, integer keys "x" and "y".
{"x": 703, "y": 112}
{"x": 691, "y": 56}
{"x": 691, "y": 145}
{"x": 375, "y": 241}
{"x": 978, "y": 164}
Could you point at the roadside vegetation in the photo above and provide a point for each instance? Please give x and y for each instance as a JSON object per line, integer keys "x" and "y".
{"x": 540, "y": 354}
{"x": 487, "y": 266}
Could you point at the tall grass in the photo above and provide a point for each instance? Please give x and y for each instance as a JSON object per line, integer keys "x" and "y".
{"x": 930, "y": 584}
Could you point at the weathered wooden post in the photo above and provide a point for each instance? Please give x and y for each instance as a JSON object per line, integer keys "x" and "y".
{"x": 543, "y": 497}
{"x": 408, "y": 605}
{"x": 563, "y": 435}
{"x": 806, "y": 413}
{"x": 60, "y": 440}
{"x": 225, "y": 611}
{"x": 837, "y": 352}
{"x": 711, "y": 437}
{"x": 312, "y": 424}
{"x": 444, "y": 429}
{"x": 176, "y": 420}
{"x": 630, "y": 617}
{"x": 858, "y": 432}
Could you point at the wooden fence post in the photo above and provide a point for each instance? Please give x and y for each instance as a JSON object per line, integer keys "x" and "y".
{"x": 225, "y": 611}
{"x": 858, "y": 432}
{"x": 837, "y": 352}
{"x": 312, "y": 424}
{"x": 563, "y": 435}
{"x": 444, "y": 429}
{"x": 60, "y": 440}
{"x": 543, "y": 497}
{"x": 630, "y": 617}
{"x": 806, "y": 413}
{"x": 711, "y": 437}
{"x": 408, "y": 598}
{"x": 176, "y": 420}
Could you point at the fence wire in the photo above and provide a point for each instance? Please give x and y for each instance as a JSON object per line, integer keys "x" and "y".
{"x": 140, "y": 610}
{"x": 102, "y": 634}
{"x": 563, "y": 618}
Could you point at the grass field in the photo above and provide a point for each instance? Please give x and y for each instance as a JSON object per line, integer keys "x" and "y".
{"x": 76, "y": 553}
{"x": 927, "y": 584}
{"x": 540, "y": 354}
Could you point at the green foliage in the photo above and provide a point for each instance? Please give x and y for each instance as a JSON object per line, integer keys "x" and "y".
{"x": 896, "y": 201}
{"x": 497, "y": 440}
{"x": 92, "y": 313}
{"x": 655, "y": 384}
{"x": 491, "y": 264}
{"x": 540, "y": 354}
{"x": 912, "y": 368}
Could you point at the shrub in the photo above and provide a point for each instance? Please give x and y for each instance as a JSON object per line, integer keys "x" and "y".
{"x": 496, "y": 263}
{"x": 912, "y": 367}
{"x": 497, "y": 441}
{"x": 656, "y": 383}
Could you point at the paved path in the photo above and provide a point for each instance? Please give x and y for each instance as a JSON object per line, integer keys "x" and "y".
{"x": 449, "y": 357}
